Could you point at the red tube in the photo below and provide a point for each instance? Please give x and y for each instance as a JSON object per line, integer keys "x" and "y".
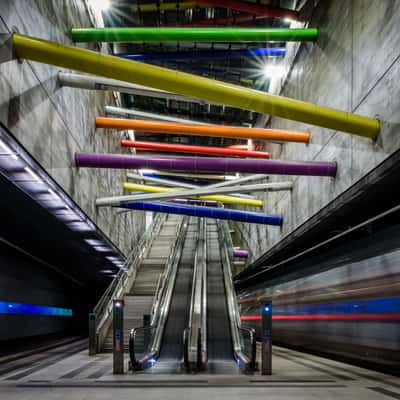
{"x": 254, "y": 9}
{"x": 244, "y": 147}
{"x": 182, "y": 148}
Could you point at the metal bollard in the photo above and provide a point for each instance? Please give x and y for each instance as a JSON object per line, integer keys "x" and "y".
{"x": 266, "y": 350}
{"x": 118, "y": 337}
{"x": 92, "y": 334}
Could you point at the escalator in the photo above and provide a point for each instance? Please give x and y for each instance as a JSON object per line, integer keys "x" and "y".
{"x": 195, "y": 318}
{"x": 160, "y": 345}
{"x": 219, "y": 340}
{"x": 172, "y": 344}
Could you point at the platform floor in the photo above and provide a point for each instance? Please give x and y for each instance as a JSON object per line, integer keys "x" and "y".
{"x": 76, "y": 376}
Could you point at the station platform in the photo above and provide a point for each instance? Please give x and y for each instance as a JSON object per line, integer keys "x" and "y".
{"x": 70, "y": 374}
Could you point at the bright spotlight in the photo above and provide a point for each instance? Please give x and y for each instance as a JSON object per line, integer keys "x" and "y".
{"x": 101, "y": 5}
{"x": 273, "y": 71}
{"x": 287, "y": 21}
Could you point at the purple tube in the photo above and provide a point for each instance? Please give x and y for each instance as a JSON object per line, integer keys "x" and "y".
{"x": 240, "y": 253}
{"x": 206, "y": 164}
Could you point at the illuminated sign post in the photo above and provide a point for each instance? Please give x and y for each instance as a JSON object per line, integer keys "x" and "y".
{"x": 266, "y": 349}
{"x": 118, "y": 337}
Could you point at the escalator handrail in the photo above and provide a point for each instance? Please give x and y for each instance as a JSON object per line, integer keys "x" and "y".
{"x": 162, "y": 309}
{"x": 233, "y": 311}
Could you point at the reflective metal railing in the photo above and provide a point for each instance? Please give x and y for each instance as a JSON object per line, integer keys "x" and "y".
{"x": 145, "y": 341}
{"x": 195, "y": 335}
{"x": 123, "y": 280}
{"x": 244, "y": 339}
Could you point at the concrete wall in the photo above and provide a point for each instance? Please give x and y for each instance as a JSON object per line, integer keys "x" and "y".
{"x": 354, "y": 66}
{"x": 53, "y": 122}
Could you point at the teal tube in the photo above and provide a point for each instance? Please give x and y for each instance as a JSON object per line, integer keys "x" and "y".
{"x": 193, "y": 35}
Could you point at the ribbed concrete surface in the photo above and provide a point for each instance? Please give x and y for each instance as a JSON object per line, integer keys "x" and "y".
{"x": 139, "y": 300}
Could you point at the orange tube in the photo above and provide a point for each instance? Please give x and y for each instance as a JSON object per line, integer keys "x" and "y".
{"x": 204, "y": 130}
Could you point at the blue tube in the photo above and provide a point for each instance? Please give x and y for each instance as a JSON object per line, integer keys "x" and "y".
{"x": 205, "y": 54}
{"x": 208, "y": 212}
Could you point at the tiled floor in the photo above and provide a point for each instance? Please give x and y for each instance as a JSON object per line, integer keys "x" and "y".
{"x": 298, "y": 376}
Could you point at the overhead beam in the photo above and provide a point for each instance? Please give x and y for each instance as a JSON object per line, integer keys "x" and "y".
{"x": 168, "y": 6}
{"x": 213, "y": 213}
{"x": 229, "y": 20}
{"x": 205, "y": 54}
{"x": 172, "y": 34}
{"x": 25, "y": 47}
{"x": 144, "y": 114}
{"x": 181, "y": 148}
{"x": 254, "y": 9}
{"x": 206, "y": 164}
{"x": 226, "y": 131}
{"x": 91, "y": 82}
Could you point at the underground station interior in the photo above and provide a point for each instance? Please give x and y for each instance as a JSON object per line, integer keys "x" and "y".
{"x": 199, "y": 199}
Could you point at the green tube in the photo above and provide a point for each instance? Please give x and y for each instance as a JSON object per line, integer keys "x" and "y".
{"x": 232, "y": 231}
{"x": 193, "y": 35}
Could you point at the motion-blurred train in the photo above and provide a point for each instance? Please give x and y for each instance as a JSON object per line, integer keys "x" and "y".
{"x": 350, "y": 313}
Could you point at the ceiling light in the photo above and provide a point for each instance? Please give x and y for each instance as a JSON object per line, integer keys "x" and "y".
{"x": 273, "y": 71}
{"x": 101, "y": 5}
{"x": 8, "y": 150}
{"x": 33, "y": 175}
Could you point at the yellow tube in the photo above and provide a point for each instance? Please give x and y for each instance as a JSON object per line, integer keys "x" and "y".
{"x": 191, "y": 85}
{"x": 222, "y": 199}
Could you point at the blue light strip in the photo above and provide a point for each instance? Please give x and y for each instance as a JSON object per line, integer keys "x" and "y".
{"x": 373, "y": 306}
{"x": 205, "y": 54}
{"x": 7, "y": 307}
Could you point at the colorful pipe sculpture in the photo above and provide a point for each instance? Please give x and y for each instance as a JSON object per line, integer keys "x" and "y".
{"x": 91, "y": 82}
{"x": 219, "y": 198}
{"x": 205, "y": 54}
{"x": 25, "y": 47}
{"x": 174, "y": 183}
{"x": 240, "y": 253}
{"x": 225, "y": 21}
{"x": 206, "y": 203}
{"x": 182, "y": 177}
{"x": 143, "y": 114}
{"x": 254, "y": 9}
{"x": 245, "y": 147}
{"x": 171, "y": 6}
{"x": 160, "y": 193}
{"x": 226, "y": 35}
{"x": 259, "y": 10}
{"x": 207, "y": 212}
{"x": 206, "y": 164}
{"x": 203, "y": 130}
{"x": 181, "y": 148}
